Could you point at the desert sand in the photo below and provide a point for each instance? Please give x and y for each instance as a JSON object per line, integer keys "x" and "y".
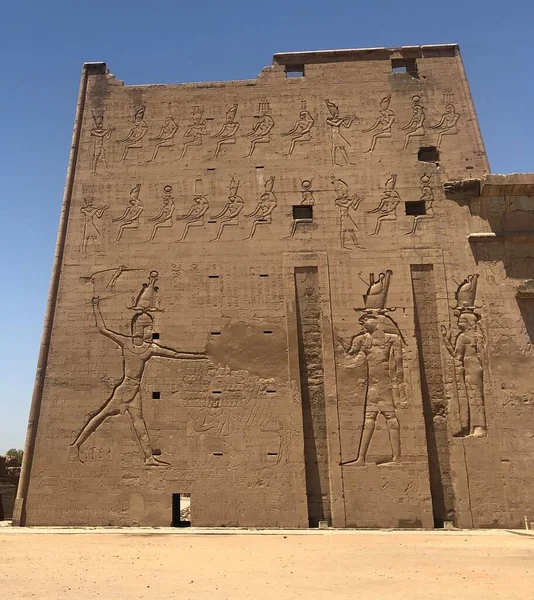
{"x": 167, "y": 564}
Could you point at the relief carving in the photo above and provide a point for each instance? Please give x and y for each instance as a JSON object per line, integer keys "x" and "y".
{"x": 137, "y": 349}
{"x": 307, "y": 199}
{"x": 102, "y": 135}
{"x": 261, "y": 132}
{"x": 164, "y": 218}
{"x": 416, "y": 126}
{"x": 347, "y": 226}
{"x": 195, "y": 131}
{"x": 339, "y": 143}
{"x": 196, "y": 215}
{"x": 262, "y": 215}
{"x": 300, "y": 132}
{"x": 468, "y": 352}
{"x": 134, "y": 137}
{"x": 384, "y": 122}
{"x": 91, "y": 233}
{"x": 230, "y": 213}
{"x": 427, "y": 196}
{"x": 447, "y": 124}
{"x": 387, "y": 208}
{"x": 165, "y": 138}
{"x": 378, "y": 350}
{"x": 130, "y": 217}
{"x": 228, "y": 131}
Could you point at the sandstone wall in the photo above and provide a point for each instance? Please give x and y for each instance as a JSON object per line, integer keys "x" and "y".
{"x": 189, "y": 218}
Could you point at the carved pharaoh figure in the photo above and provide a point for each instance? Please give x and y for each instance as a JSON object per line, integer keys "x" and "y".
{"x": 130, "y": 217}
{"x": 227, "y": 132}
{"x": 345, "y": 202}
{"x": 137, "y": 349}
{"x": 468, "y": 351}
{"x": 378, "y": 350}
{"x": 195, "y": 131}
{"x": 447, "y": 124}
{"x": 416, "y": 125}
{"x": 300, "y": 133}
{"x": 134, "y": 137}
{"x": 387, "y": 207}
{"x": 164, "y": 218}
{"x": 196, "y": 215}
{"x": 165, "y": 138}
{"x": 261, "y": 132}
{"x": 91, "y": 233}
{"x": 336, "y": 122}
{"x": 262, "y": 215}
{"x": 427, "y": 197}
{"x": 101, "y": 135}
{"x": 230, "y": 213}
{"x": 384, "y": 122}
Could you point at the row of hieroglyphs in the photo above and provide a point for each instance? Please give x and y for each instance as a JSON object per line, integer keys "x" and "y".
{"x": 230, "y": 399}
{"x": 261, "y": 132}
{"x": 233, "y": 212}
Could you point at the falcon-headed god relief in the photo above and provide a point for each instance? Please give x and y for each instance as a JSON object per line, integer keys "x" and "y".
{"x": 378, "y": 350}
{"x": 137, "y": 348}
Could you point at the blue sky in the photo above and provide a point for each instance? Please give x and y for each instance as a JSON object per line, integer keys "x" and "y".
{"x": 43, "y": 46}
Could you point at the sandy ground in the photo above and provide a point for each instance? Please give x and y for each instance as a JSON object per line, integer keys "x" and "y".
{"x": 131, "y": 564}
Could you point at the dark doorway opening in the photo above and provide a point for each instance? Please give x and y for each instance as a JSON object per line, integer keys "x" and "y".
{"x": 181, "y": 510}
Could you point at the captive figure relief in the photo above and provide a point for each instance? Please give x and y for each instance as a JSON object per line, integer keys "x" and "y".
{"x": 137, "y": 349}
{"x": 378, "y": 349}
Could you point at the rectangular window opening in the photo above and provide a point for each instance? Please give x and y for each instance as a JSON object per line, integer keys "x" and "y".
{"x": 218, "y": 454}
{"x": 303, "y": 212}
{"x": 215, "y": 332}
{"x": 156, "y": 395}
{"x": 210, "y": 169}
{"x": 428, "y": 154}
{"x": 212, "y": 221}
{"x": 272, "y": 453}
{"x": 404, "y": 65}
{"x": 415, "y": 208}
{"x": 181, "y": 510}
{"x": 267, "y": 331}
{"x": 264, "y": 275}
{"x": 216, "y": 392}
{"x": 260, "y": 167}
{"x": 271, "y": 391}
{"x": 155, "y": 336}
{"x": 213, "y": 277}
{"x": 295, "y": 71}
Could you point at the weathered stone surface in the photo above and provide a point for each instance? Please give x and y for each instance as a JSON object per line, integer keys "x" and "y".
{"x": 266, "y": 296}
